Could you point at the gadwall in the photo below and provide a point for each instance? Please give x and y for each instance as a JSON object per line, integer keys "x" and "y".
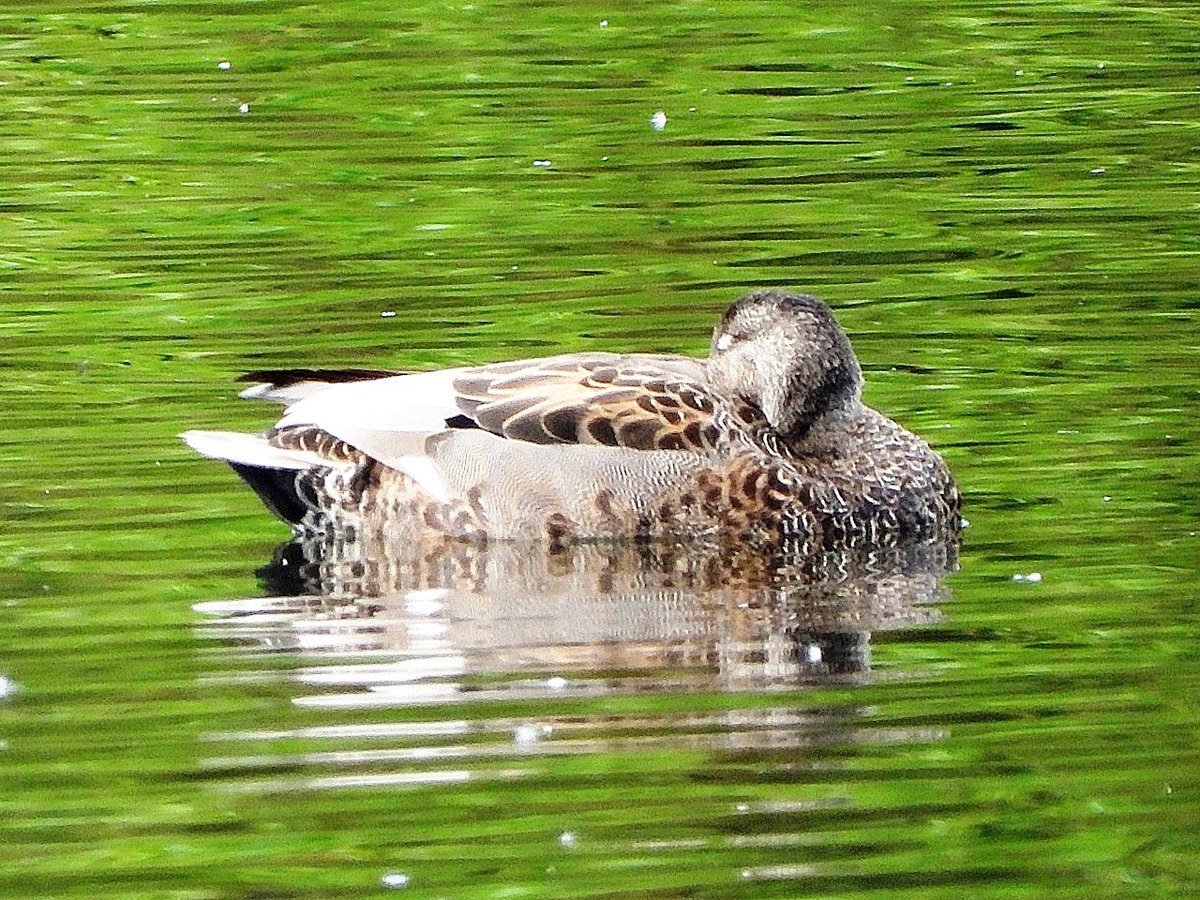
{"x": 765, "y": 441}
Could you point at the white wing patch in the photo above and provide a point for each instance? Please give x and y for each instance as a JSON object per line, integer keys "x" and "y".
{"x": 418, "y": 403}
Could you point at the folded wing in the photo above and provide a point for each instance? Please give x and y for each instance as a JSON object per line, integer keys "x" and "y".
{"x": 523, "y": 427}
{"x": 641, "y": 402}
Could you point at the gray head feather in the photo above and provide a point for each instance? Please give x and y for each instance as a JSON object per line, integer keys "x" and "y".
{"x": 786, "y": 355}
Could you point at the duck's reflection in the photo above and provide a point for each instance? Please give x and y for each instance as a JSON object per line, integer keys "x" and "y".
{"x": 459, "y": 662}
{"x": 450, "y": 620}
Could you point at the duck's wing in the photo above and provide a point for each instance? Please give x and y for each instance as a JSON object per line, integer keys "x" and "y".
{"x": 638, "y": 401}
{"x": 433, "y": 425}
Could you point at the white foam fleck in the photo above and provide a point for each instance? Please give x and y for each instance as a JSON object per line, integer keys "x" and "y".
{"x": 526, "y": 734}
{"x": 394, "y": 880}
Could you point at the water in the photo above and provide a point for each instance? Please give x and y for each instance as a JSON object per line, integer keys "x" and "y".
{"x": 998, "y": 201}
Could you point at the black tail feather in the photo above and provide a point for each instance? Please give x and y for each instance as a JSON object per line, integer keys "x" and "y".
{"x": 282, "y": 378}
{"x": 278, "y": 489}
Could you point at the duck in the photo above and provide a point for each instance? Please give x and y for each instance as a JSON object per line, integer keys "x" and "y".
{"x": 765, "y": 441}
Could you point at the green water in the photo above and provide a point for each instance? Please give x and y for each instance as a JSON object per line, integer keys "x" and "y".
{"x": 1000, "y": 201}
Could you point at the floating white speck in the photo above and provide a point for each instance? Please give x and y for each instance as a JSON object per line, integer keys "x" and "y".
{"x": 526, "y": 734}
{"x": 1031, "y": 578}
{"x": 223, "y": 65}
{"x": 244, "y": 108}
{"x": 658, "y": 121}
{"x": 542, "y": 163}
{"x": 812, "y": 653}
{"x": 394, "y": 880}
{"x": 388, "y": 314}
{"x": 557, "y": 683}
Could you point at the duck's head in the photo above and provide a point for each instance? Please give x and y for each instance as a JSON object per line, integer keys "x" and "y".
{"x": 786, "y": 355}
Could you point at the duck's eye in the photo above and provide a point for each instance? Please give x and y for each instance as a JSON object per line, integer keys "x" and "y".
{"x": 724, "y": 342}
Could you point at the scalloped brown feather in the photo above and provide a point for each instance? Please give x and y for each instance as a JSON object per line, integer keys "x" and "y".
{"x": 638, "y": 401}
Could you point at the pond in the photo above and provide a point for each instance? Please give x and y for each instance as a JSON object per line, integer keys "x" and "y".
{"x": 998, "y": 201}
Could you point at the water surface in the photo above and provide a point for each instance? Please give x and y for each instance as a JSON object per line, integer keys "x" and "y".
{"x": 999, "y": 202}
